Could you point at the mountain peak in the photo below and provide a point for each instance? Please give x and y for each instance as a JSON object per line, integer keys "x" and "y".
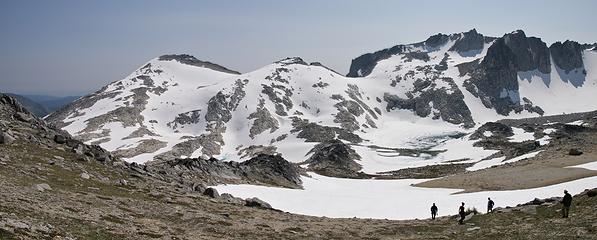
{"x": 291, "y": 60}
{"x": 191, "y": 60}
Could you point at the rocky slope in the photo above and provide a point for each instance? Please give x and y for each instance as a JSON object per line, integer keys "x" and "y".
{"x": 54, "y": 187}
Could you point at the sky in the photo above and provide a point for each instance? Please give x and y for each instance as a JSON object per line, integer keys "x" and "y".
{"x": 75, "y": 47}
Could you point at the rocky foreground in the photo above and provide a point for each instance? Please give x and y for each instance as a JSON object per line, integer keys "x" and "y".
{"x": 55, "y": 187}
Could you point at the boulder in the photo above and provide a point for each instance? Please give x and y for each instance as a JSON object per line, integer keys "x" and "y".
{"x": 123, "y": 182}
{"x": 85, "y": 176}
{"x": 574, "y": 152}
{"x": 6, "y": 138}
{"x": 256, "y": 202}
{"x": 592, "y": 192}
{"x": 211, "y": 192}
{"x": 59, "y": 139}
{"x": 42, "y": 187}
{"x": 22, "y": 117}
{"x": 231, "y": 199}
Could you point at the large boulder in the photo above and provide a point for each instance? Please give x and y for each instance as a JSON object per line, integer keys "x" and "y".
{"x": 211, "y": 192}
{"x": 256, "y": 202}
{"x": 59, "y": 139}
{"x": 6, "y": 138}
{"x": 575, "y": 152}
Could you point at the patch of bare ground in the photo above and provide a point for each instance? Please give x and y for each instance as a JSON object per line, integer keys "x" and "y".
{"x": 551, "y": 166}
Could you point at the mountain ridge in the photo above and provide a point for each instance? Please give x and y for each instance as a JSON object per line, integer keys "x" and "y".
{"x": 177, "y": 105}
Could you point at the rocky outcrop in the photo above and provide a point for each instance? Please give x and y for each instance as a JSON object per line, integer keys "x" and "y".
{"x": 495, "y": 129}
{"x": 363, "y": 65}
{"x": 567, "y": 55}
{"x": 190, "y": 60}
{"x": 313, "y": 132}
{"x": 468, "y": 41}
{"x": 271, "y": 170}
{"x": 429, "y": 100}
{"x": 334, "y": 158}
{"x": 531, "y": 53}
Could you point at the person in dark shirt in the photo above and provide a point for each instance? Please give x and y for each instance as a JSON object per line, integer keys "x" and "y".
{"x": 462, "y": 214}
{"x": 566, "y": 203}
{"x": 433, "y": 211}
{"x": 490, "y": 204}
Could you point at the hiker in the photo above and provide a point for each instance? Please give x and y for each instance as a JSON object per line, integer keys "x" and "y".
{"x": 490, "y": 204}
{"x": 461, "y": 213}
{"x": 566, "y": 202}
{"x": 433, "y": 211}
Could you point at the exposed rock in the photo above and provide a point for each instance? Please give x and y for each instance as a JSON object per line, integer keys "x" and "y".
{"x": 363, "y": 65}
{"x": 531, "y": 53}
{"x": 313, "y": 132}
{"x": 273, "y": 169}
{"x": 256, "y": 202}
{"x": 335, "y": 159}
{"x": 575, "y": 152}
{"x": 190, "y": 60}
{"x": 231, "y": 199}
{"x": 497, "y": 130}
{"x": 211, "y": 192}
{"x": 592, "y": 192}
{"x": 6, "y": 138}
{"x": 42, "y": 187}
{"x": 85, "y": 176}
{"x": 263, "y": 121}
{"x": 263, "y": 169}
{"x": 24, "y": 117}
{"x": 567, "y": 55}
{"x": 468, "y": 41}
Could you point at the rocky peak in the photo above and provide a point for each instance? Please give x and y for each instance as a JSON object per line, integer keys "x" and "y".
{"x": 363, "y": 65}
{"x": 468, "y": 41}
{"x": 437, "y": 40}
{"x": 291, "y": 60}
{"x": 567, "y": 55}
{"x": 531, "y": 53}
{"x": 191, "y": 60}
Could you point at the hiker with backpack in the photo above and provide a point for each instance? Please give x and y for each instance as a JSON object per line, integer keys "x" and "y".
{"x": 433, "y": 211}
{"x": 490, "y": 205}
{"x": 566, "y": 203}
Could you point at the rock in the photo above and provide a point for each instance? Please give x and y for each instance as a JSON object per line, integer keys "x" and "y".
{"x": 42, "y": 187}
{"x": 59, "y": 158}
{"x": 211, "y": 192}
{"x": 473, "y": 228}
{"x": 537, "y": 201}
{"x": 59, "y": 139}
{"x": 17, "y": 225}
{"x": 334, "y": 159}
{"x": 197, "y": 187}
{"x": 256, "y": 202}
{"x": 575, "y": 152}
{"x": 85, "y": 176}
{"x": 231, "y": 199}
{"x": 592, "y": 192}
{"x": 6, "y": 138}
{"x": 22, "y": 117}
{"x": 79, "y": 149}
{"x": 123, "y": 182}
{"x": 529, "y": 209}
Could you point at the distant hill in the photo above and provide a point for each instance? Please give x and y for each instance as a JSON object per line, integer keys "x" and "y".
{"x": 42, "y": 105}
{"x": 52, "y": 103}
{"x": 31, "y": 105}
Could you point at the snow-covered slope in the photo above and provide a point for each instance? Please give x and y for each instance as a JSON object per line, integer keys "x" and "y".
{"x": 425, "y": 95}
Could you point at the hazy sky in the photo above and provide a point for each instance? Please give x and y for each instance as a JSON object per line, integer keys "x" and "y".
{"x": 75, "y": 47}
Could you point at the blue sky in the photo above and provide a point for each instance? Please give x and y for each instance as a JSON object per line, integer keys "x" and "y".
{"x": 75, "y": 47}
